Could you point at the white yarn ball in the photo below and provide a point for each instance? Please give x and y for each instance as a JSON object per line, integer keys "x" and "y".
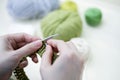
{"x": 81, "y": 46}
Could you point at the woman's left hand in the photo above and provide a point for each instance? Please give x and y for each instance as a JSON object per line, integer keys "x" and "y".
{"x": 13, "y": 48}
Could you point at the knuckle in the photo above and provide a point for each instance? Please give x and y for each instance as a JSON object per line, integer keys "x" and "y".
{"x": 71, "y": 55}
{"x": 60, "y": 41}
{"x": 82, "y": 60}
{"x": 24, "y": 34}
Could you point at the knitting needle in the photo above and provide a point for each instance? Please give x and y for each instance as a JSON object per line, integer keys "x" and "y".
{"x": 50, "y": 37}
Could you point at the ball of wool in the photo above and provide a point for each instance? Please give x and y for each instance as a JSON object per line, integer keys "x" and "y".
{"x": 69, "y": 5}
{"x": 93, "y": 16}
{"x": 65, "y": 23}
{"x": 82, "y": 47}
{"x": 31, "y": 9}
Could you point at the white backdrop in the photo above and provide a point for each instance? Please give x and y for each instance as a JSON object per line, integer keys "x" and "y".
{"x": 104, "y": 60}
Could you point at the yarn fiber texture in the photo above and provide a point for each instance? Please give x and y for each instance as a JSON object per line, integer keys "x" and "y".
{"x": 69, "y": 5}
{"x": 93, "y": 16}
{"x": 67, "y": 24}
{"x": 31, "y": 9}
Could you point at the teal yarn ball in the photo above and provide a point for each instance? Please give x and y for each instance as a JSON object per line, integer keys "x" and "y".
{"x": 93, "y": 16}
{"x": 67, "y": 24}
{"x": 31, "y": 9}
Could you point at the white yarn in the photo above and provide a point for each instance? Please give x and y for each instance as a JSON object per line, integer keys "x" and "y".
{"x": 81, "y": 45}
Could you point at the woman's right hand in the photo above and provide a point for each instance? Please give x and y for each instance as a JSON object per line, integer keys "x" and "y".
{"x": 68, "y": 66}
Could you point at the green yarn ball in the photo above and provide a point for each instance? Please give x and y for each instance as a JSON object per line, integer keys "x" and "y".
{"x": 65, "y": 23}
{"x": 93, "y": 16}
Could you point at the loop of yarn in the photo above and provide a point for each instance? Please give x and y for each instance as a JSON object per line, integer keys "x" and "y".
{"x": 65, "y": 23}
{"x": 31, "y": 9}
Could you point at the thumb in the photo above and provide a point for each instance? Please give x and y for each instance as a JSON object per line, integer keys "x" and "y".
{"x": 47, "y": 57}
{"x": 29, "y": 48}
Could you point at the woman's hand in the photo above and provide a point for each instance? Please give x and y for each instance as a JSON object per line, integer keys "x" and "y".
{"x": 68, "y": 66}
{"x": 13, "y": 48}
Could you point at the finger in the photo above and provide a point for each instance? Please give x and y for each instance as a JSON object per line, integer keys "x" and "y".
{"x": 29, "y": 49}
{"x": 72, "y": 46}
{"x": 55, "y": 49}
{"x": 19, "y": 45}
{"x": 34, "y": 58}
{"x": 22, "y": 37}
{"x": 60, "y": 45}
{"x": 47, "y": 57}
{"x": 23, "y": 64}
{"x": 28, "y": 39}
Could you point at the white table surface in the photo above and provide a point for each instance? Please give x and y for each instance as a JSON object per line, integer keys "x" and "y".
{"x": 104, "y": 40}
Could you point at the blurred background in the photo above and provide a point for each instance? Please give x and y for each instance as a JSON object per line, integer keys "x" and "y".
{"x": 104, "y": 41}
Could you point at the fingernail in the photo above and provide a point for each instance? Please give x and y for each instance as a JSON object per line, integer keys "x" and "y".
{"x": 35, "y": 60}
{"x": 23, "y": 64}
